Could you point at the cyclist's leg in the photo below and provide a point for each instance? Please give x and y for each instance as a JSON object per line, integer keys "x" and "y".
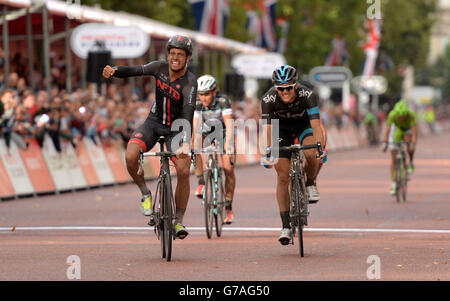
{"x": 410, "y": 148}
{"x": 230, "y": 178}
{"x": 143, "y": 139}
{"x": 312, "y": 167}
{"x": 199, "y": 175}
{"x": 395, "y": 137}
{"x": 182, "y": 191}
{"x": 283, "y": 180}
{"x": 282, "y": 168}
{"x": 230, "y": 184}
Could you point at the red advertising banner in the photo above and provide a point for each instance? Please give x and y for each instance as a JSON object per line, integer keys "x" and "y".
{"x": 116, "y": 163}
{"x": 6, "y": 187}
{"x": 86, "y": 165}
{"x": 36, "y": 167}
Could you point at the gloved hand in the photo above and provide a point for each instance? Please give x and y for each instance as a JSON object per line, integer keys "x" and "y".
{"x": 325, "y": 158}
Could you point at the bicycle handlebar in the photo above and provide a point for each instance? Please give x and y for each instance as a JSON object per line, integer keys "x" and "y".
{"x": 298, "y": 147}
{"x": 159, "y": 154}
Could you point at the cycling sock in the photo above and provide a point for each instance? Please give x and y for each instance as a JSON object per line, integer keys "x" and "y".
{"x": 179, "y": 215}
{"x": 144, "y": 189}
{"x": 228, "y": 204}
{"x": 201, "y": 180}
{"x": 285, "y": 219}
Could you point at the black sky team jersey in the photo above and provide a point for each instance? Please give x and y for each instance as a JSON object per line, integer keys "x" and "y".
{"x": 173, "y": 99}
{"x": 220, "y": 107}
{"x": 302, "y": 109}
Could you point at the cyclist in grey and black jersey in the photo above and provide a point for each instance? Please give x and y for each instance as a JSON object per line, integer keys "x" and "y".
{"x": 176, "y": 92}
{"x": 212, "y": 112}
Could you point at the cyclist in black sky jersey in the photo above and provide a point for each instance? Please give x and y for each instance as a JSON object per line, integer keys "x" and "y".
{"x": 176, "y": 93}
{"x": 295, "y": 105}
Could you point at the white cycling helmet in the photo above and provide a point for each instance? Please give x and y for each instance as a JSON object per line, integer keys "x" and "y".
{"x": 206, "y": 83}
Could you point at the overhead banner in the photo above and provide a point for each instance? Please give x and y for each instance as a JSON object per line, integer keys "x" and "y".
{"x": 124, "y": 42}
{"x": 257, "y": 65}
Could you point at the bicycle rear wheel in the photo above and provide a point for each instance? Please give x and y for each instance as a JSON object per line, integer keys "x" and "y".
{"x": 219, "y": 212}
{"x": 208, "y": 204}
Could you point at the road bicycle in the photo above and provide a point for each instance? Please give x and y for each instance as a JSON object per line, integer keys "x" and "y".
{"x": 163, "y": 216}
{"x": 214, "y": 193}
{"x": 298, "y": 205}
{"x": 401, "y": 172}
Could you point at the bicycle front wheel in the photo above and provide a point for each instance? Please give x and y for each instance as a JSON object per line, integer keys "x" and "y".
{"x": 219, "y": 212}
{"x": 209, "y": 204}
{"x": 398, "y": 180}
{"x": 167, "y": 213}
{"x": 296, "y": 212}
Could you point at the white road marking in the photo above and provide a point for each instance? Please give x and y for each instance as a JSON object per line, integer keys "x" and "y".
{"x": 238, "y": 229}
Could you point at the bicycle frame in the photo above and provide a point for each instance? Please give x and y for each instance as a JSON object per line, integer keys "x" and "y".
{"x": 214, "y": 179}
{"x": 163, "y": 215}
{"x": 400, "y": 172}
{"x": 298, "y": 206}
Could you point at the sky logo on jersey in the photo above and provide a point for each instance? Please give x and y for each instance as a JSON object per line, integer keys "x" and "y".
{"x": 168, "y": 89}
{"x": 304, "y": 93}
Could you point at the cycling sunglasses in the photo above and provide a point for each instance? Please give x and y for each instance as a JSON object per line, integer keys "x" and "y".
{"x": 282, "y": 88}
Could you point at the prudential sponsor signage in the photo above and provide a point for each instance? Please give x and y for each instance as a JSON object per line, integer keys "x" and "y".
{"x": 124, "y": 42}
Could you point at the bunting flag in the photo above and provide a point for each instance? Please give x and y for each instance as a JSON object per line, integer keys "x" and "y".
{"x": 339, "y": 53}
{"x": 371, "y": 46}
{"x": 210, "y": 15}
{"x": 262, "y": 27}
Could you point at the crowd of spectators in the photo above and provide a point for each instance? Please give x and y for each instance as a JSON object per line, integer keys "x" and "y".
{"x": 68, "y": 117}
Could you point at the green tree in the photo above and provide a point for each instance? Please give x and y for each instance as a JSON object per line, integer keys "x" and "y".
{"x": 313, "y": 26}
{"x": 406, "y": 36}
{"x": 174, "y": 12}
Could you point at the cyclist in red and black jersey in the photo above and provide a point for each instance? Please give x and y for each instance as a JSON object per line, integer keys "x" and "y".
{"x": 176, "y": 93}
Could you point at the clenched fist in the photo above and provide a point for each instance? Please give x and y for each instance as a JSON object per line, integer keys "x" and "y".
{"x": 108, "y": 71}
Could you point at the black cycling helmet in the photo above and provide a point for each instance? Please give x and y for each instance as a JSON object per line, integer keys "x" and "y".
{"x": 181, "y": 42}
{"x": 284, "y": 75}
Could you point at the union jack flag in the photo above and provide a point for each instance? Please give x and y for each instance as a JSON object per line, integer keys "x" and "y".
{"x": 339, "y": 54}
{"x": 371, "y": 46}
{"x": 210, "y": 15}
{"x": 263, "y": 27}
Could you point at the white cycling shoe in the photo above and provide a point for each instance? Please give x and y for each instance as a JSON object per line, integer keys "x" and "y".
{"x": 313, "y": 194}
{"x": 285, "y": 236}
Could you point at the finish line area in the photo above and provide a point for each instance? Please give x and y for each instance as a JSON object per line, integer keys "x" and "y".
{"x": 231, "y": 229}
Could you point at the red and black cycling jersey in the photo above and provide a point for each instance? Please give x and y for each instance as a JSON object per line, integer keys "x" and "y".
{"x": 173, "y": 100}
{"x": 302, "y": 109}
